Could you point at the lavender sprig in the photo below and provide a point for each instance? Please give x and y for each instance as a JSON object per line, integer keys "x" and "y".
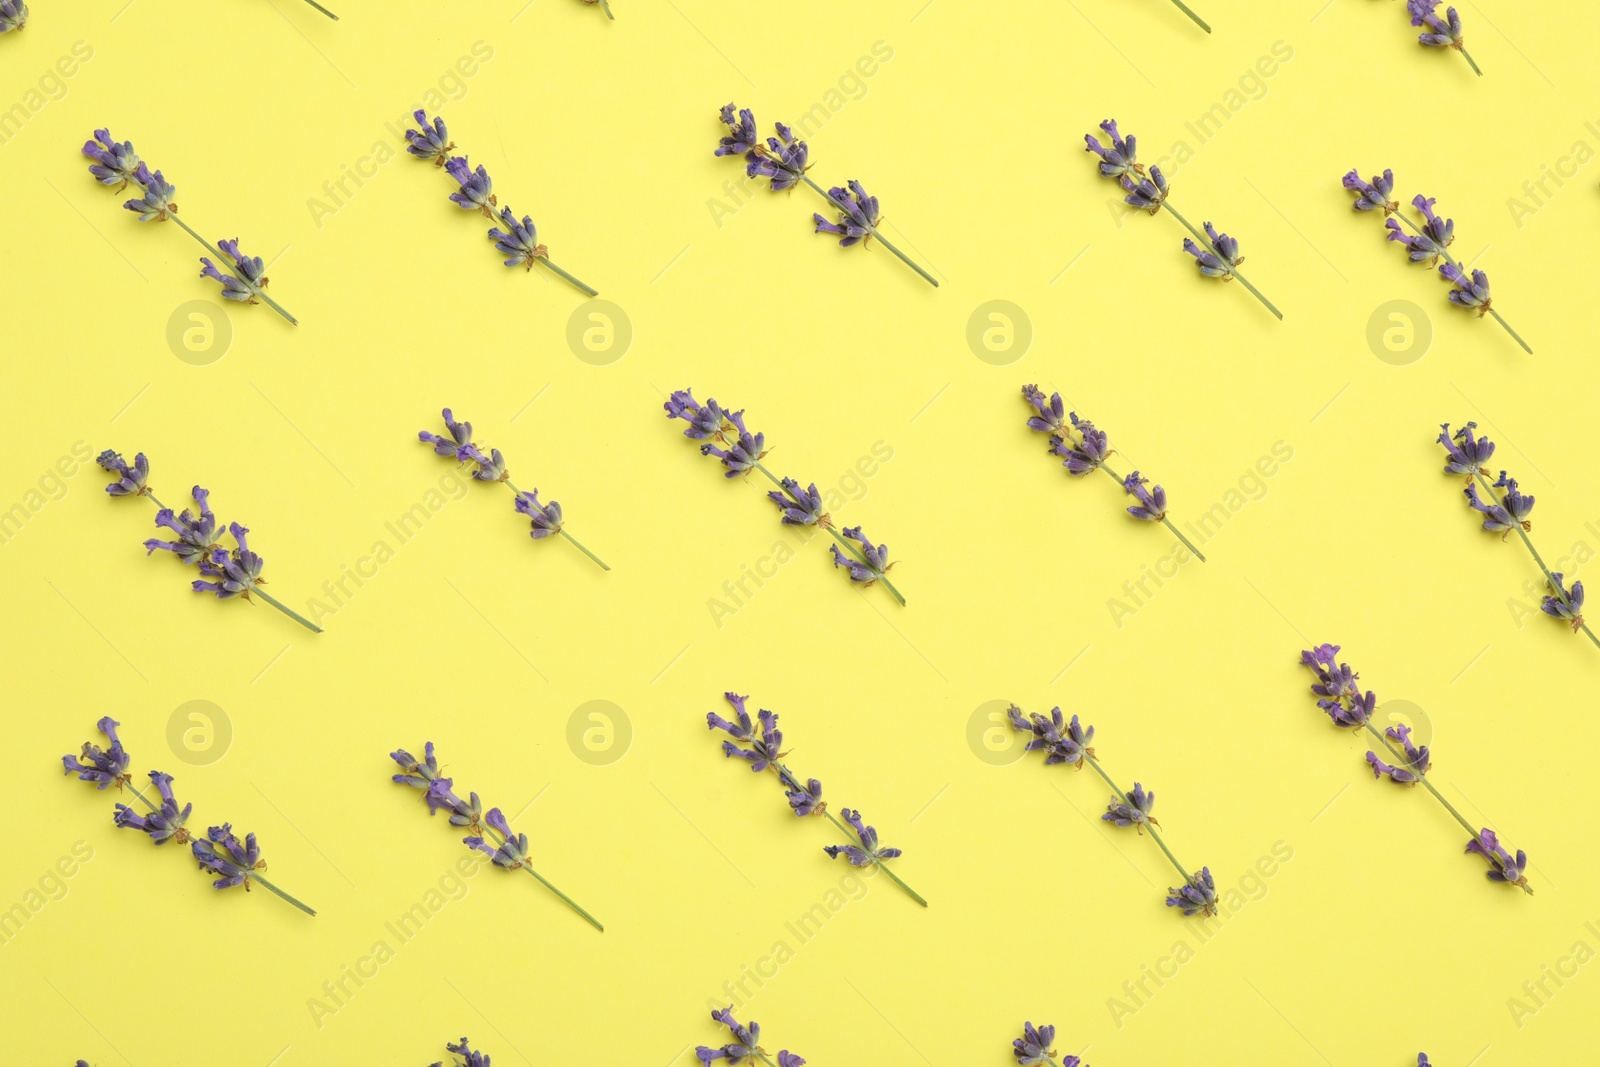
{"x": 1035, "y": 1047}
{"x": 13, "y": 15}
{"x": 783, "y": 160}
{"x": 221, "y": 852}
{"x": 762, "y": 747}
{"x": 1428, "y": 242}
{"x": 746, "y": 1045}
{"x": 462, "y": 1055}
{"x": 1440, "y": 32}
{"x": 1468, "y": 454}
{"x": 723, "y": 434}
{"x": 490, "y": 466}
{"x": 116, "y": 163}
{"x": 518, "y": 240}
{"x": 489, "y": 832}
{"x": 224, "y": 573}
{"x": 1069, "y": 743}
{"x": 1147, "y": 190}
{"x": 1082, "y": 447}
{"x": 1339, "y": 694}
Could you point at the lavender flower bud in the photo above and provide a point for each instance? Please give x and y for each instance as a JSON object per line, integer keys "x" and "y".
{"x": 251, "y": 273}
{"x": 1034, "y": 1045}
{"x": 519, "y": 242}
{"x": 1050, "y": 415}
{"x": 546, "y": 518}
{"x": 102, "y": 766}
{"x": 458, "y": 446}
{"x": 799, "y": 507}
{"x": 807, "y": 799}
{"x": 1373, "y": 195}
{"x": 1468, "y": 453}
{"x": 417, "y": 773}
{"x": 475, "y": 193}
{"x": 1473, "y": 293}
{"x": 1152, "y": 506}
{"x": 705, "y": 420}
{"x": 429, "y": 142}
{"x": 1417, "y": 760}
{"x": 763, "y": 751}
{"x": 1437, "y": 234}
{"x": 114, "y": 163}
{"x": 1198, "y": 896}
{"x": 783, "y": 160}
{"x": 858, "y": 214}
{"x": 222, "y": 853}
{"x": 1132, "y": 809}
{"x": 196, "y": 533}
{"x": 464, "y": 1056}
{"x": 876, "y": 563}
{"x": 166, "y": 822}
{"x": 156, "y": 203}
{"x": 1502, "y": 866}
{"x": 1566, "y": 603}
{"x": 1061, "y": 741}
{"x": 743, "y": 454}
{"x": 232, "y": 574}
{"x": 741, "y": 137}
{"x": 512, "y": 853}
{"x": 1218, "y": 264}
{"x": 1502, "y": 515}
{"x": 130, "y": 480}
{"x": 1146, "y": 193}
{"x": 868, "y": 836}
{"x": 13, "y": 15}
{"x": 1117, "y": 160}
{"x": 1441, "y": 32}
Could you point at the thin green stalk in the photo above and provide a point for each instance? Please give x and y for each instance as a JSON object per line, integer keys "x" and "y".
{"x": 256, "y": 289}
{"x": 1448, "y": 258}
{"x": 850, "y": 546}
{"x": 573, "y": 904}
{"x": 575, "y": 542}
{"x": 334, "y": 17}
{"x": 605, "y": 5}
{"x": 1205, "y": 242}
{"x": 1198, "y": 21}
{"x": 1470, "y": 61}
{"x": 1176, "y": 532}
{"x": 256, "y": 590}
{"x": 1549, "y": 578}
{"x": 578, "y": 283}
{"x": 1156, "y": 836}
{"x": 907, "y": 260}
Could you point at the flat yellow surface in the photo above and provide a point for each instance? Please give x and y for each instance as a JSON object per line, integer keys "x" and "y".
{"x": 1356, "y": 932}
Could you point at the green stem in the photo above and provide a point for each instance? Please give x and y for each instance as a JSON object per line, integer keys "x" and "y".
{"x": 1197, "y": 19}
{"x": 256, "y": 289}
{"x": 1549, "y": 578}
{"x": 575, "y": 542}
{"x": 605, "y": 5}
{"x": 1205, "y": 242}
{"x": 293, "y": 614}
{"x": 1448, "y": 258}
{"x": 573, "y": 904}
{"x": 584, "y": 286}
{"x": 1155, "y": 836}
{"x": 850, "y": 836}
{"x": 1470, "y": 61}
{"x": 849, "y": 545}
{"x": 324, "y": 10}
{"x": 1176, "y": 532}
{"x": 907, "y": 260}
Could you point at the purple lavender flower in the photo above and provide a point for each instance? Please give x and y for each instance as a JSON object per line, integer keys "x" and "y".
{"x": 1132, "y": 809}
{"x": 519, "y": 242}
{"x": 1437, "y": 233}
{"x": 1119, "y": 158}
{"x": 414, "y": 772}
{"x": 1085, "y": 453}
{"x": 1152, "y": 506}
{"x": 222, "y": 853}
{"x": 250, "y": 270}
{"x": 463, "y": 1053}
{"x": 1336, "y": 688}
{"x": 746, "y": 1042}
{"x": 475, "y": 193}
{"x": 705, "y": 421}
{"x": 1061, "y": 741}
{"x": 1468, "y": 293}
{"x": 1373, "y": 195}
{"x": 865, "y": 571}
{"x": 783, "y": 160}
{"x": 1218, "y": 263}
{"x": 1468, "y": 453}
{"x": 441, "y": 796}
{"x": 1422, "y": 1060}
{"x": 102, "y": 766}
{"x": 13, "y": 15}
{"x": 163, "y": 824}
{"x": 789, "y": 1059}
{"x": 546, "y": 518}
{"x": 805, "y": 799}
{"x": 114, "y": 163}
{"x": 491, "y": 468}
{"x": 1502, "y": 866}
{"x": 130, "y": 480}
{"x": 858, "y": 215}
{"x": 156, "y": 203}
{"x": 1034, "y": 1045}
{"x": 1050, "y": 415}
{"x": 1565, "y": 604}
{"x": 764, "y": 750}
{"x": 429, "y": 142}
{"x": 1440, "y": 32}
{"x": 458, "y": 446}
{"x": 1146, "y": 194}
{"x": 511, "y": 853}
{"x": 1198, "y": 896}
{"x": 197, "y": 534}
{"x": 1503, "y": 515}
{"x": 1417, "y": 761}
{"x": 741, "y": 138}
{"x": 743, "y": 453}
{"x": 232, "y": 574}
{"x": 868, "y": 836}
{"x": 799, "y": 507}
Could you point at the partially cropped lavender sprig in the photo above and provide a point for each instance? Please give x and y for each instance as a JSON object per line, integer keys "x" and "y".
{"x": 488, "y": 831}
{"x": 746, "y": 1045}
{"x": 1082, "y": 447}
{"x": 759, "y": 742}
{"x": 1467, "y": 453}
{"x": 516, "y": 239}
{"x": 1427, "y": 242}
{"x": 462, "y": 1055}
{"x": 1440, "y": 31}
{"x": 117, "y": 164}
{"x": 1067, "y": 742}
{"x": 488, "y": 465}
{"x": 1147, "y": 190}
{"x": 13, "y": 15}
{"x": 194, "y": 537}
{"x": 1035, "y": 1047}
{"x": 783, "y": 160}
{"x": 1339, "y": 694}
{"x": 220, "y": 852}
{"x": 723, "y": 434}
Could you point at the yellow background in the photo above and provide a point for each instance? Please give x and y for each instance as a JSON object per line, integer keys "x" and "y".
{"x": 1377, "y": 939}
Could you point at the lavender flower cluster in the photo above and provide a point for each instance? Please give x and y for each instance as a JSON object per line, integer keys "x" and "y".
{"x": 1440, "y": 31}
{"x": 117, "y": 164}
{"x": 462, "y": 1055}
{"x": 490, "y": 466}
{"x": 13, "y": 15}
{"x": 1035, "y": 1046}
{"x": 1339, "y": 694}
{"x": 1068, "y": 742}
{"x": 219, "y": 852}
{"x": 516, "y": 239}
{"x": 723, "y": 434}
{"x": 746, "y": 1044}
